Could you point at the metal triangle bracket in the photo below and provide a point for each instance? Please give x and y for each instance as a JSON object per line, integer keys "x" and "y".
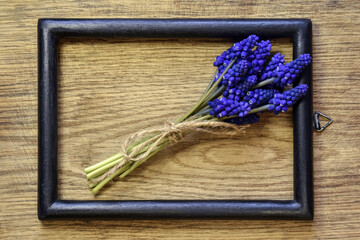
{"x": 316, "y": 121}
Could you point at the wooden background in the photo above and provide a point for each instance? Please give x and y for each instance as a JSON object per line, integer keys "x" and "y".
{"x": 111, "y": 88}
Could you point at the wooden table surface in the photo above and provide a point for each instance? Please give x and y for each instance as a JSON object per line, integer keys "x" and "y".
{"x": 111, "y": 88}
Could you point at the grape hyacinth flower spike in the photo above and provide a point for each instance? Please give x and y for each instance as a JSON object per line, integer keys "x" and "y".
{"x": 282, "y": 101}
{"x": 279, "y": 75}
{"x": 261, "y": 53}
{"x": 240, "y": 49}
{"x": 260, "y": 96}
{"x": 275, "y": 61}
{"x": 286, "y": 74}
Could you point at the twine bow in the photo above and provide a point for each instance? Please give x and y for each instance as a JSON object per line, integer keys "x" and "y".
{"x": 174, "y": 133}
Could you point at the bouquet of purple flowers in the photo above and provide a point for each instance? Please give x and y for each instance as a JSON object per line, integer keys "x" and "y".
{"x": 245, "y": 84}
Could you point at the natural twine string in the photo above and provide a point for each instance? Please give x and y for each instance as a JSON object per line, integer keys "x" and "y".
{"x": 174, "y": 133}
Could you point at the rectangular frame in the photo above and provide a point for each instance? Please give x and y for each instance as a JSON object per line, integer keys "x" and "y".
{"x": 49, "y": 203}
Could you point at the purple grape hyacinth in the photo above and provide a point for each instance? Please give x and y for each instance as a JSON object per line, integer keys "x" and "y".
{"x": 234, "y": 74}
{"x": 286, "y": 74}
{"x": 236, "y": 93}
{"x": 225, "y": 56}
{"x": 224, "y": 107}
{"x": 275, "y": 61}
{"x": 282, "y": 101}
{"x": 240, "y": 49}
{"x": 243, "y": 48}
{"x": 259, "y": 97}
{"x": 250, "y": 56}
{"x": 259, "y": 57}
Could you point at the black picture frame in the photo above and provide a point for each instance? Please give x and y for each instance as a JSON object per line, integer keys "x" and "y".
{"x": 49, "y": 203}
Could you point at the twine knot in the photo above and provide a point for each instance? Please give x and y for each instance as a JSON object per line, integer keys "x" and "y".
{"x": 174, "y": 133}
{"x": 141, "y": 144}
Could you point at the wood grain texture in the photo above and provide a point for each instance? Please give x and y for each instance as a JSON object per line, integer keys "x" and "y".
{"x": 122, "y": 86}
{"x": 104, "y": 85}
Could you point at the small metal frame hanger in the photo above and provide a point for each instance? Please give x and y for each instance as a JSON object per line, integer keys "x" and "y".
{"x": 316, "y": 121}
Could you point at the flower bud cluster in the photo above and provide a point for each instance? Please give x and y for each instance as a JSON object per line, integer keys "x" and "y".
{"x": 282, "y": 101}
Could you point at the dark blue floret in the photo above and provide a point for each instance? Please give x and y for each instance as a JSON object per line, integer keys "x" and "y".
{"x": 275, "y": 61}
{"x": 240, "y": 49}
{"x": 243, "y": 48}
{"x": 241, "y": 67}
{"x": 259, "y": 97}
{"x": 238, "y": 92}
{"x": 224, "y": 107}
{"x": 234, "y": 74}
{"x": 258, "y": 58}
{"x": 248, "y": 119}
{"x": 282, "y": 101}
{"x": 286, "y": 74}
{"x": 226, "y": 55}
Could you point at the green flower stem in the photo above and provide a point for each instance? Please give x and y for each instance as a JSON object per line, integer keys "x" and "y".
{"x": 192, "y": 110}
{"x": 259, "y": 109}
{"x": 124, "y": 168}
{"x": 96, "y": 189}
{"x": 138, "y": 163}
{"x": 106, "y": 167}
{"x": 212, "y": 96}
{"x": 255, "y": 110}
{"x": 206, "y": 117}
{"x": 115, "y": 157}
{"x": 203, "y": 111}
{"x": 130, "y": 166}
{"x": 263, "y": 83}
{"x": 103, "y": 169}
{"x": 210, "y": 91}
{"x": 106, "y": 161}
{"x": 127, "y": 166}
{"x": 197, "y": 118}
{"x": 160, "y": 147}
{"x": 211, "y": 82}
